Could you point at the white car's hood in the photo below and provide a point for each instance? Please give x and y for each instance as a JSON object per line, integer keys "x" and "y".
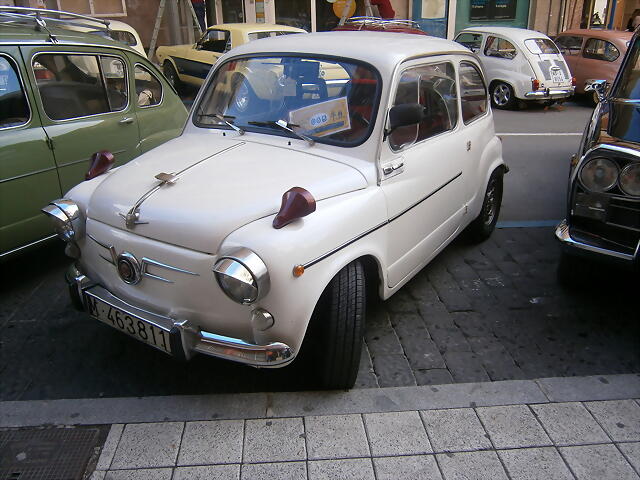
{"x": 222, "y": 184}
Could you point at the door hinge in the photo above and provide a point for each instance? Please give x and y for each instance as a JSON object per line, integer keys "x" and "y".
{"x": 49, "y": 143}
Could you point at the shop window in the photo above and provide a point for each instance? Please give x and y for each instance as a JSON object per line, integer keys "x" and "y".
{"x": 499, "y": 47}
{"x": 600, "y": 50}
{"x": 14, "y": 108}
{"x": 95, "y": 8}
{"x": 473, "y": 92}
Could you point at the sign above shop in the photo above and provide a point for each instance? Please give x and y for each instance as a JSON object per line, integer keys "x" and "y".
{"x": 493, "y": 10}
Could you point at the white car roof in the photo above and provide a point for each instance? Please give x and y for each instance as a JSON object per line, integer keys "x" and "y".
{"x": 517, "y": 34}
{"x": 384, "y": 50}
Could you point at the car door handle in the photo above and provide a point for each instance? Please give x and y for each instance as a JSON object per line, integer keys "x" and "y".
{"x": 391, "y": 168}
{"x": 126, "y": 120}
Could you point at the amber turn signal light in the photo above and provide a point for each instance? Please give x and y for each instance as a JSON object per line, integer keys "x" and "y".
{"x": 101, "y": 162}
{"x": 296, "y": 203}
{"x": 298, "y": 270}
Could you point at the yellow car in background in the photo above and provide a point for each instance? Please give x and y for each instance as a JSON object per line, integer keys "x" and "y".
{"x": 190, "y": 64}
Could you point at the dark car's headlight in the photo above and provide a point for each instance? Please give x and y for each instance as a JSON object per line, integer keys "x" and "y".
{"x": 66, "y": 218}
{"x": 242, "y": 275}
{"x": 630, "y": 179}
{"x": 599, "y": 174}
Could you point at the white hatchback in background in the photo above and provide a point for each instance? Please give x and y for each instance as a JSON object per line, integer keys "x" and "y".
{"x": 519, "y": 64}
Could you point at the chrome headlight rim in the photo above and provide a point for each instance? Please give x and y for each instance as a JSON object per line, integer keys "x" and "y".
{"x": 230, "y": 266}
{"x": 67, "y": 219}
{"x": 625, "y": 171}
{"x": 615, "y": 169}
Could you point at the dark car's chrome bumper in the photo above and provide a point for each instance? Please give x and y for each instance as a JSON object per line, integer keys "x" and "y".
{"x": 185, "y": 339}
{"x": 582, "y": 248}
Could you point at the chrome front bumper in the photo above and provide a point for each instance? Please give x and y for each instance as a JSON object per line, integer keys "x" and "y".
{"x": 186, "y": 340}
{"x": 563, "y": 234}
{"x": 550, "y": 93}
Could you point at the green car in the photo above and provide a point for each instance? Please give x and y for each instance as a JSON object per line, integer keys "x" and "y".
{"x": 65, "y": 95}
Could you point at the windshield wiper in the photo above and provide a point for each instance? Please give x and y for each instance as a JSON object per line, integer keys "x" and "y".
{"x": 285, "y": 126}
{"x": 224, "y": 119}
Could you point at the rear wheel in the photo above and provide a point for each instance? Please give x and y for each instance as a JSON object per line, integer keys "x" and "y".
{"x": 171, "y": 75}
{"x": 337, "y": 329}
{"x": 502, "y": 96}
{"x": 485, "y": 223}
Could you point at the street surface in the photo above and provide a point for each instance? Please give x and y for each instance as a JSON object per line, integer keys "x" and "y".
{"x": 478, "y": 313}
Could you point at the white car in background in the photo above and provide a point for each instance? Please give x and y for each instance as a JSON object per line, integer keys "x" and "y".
{"x": 519, "y": 64}
{"x": 259, "y": 232}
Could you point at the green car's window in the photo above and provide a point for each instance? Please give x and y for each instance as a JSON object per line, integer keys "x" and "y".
{"x": 73, "y": 86}
{"x": 115, "y": 79}
{"x": 14, "y": 109}
{"x": 148, "y": 88}
{"x": 473, "y": 93}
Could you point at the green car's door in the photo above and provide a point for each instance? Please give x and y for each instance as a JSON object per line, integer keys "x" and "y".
{"x": 159, "y": 111}
{"x": 86, "y": 105}
{"x": 28, "y": 175}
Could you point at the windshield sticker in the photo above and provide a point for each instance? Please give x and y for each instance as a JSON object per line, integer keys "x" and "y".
{"x": 323, "y": 118}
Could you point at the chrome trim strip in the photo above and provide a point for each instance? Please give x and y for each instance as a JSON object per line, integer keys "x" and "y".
{"x": 32, "y": 244}
{"x": 614, "y": 148}
{"x": 118, "y": 152}
{"x": 562, "y": 234}
{"x": 380, "y": 225}
{"x": 169, "y": 267}
{"x": 132, "y": 216}
{"x": 27, "y": 174}
{"x": 550, "y": 93}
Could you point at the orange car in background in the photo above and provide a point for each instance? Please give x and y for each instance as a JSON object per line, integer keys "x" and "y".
{"x": 593, "y": 54}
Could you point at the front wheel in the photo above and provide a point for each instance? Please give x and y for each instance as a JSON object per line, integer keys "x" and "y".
{"x": 485, "y": 223}
{"x": 502, "y": 96}
{"x": 337, "y": 329}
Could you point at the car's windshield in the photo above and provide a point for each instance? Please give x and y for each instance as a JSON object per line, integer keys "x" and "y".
{"x": 541, "y": 45}
{"x": 628, "y": 85}
{"x": 329, "y": 100}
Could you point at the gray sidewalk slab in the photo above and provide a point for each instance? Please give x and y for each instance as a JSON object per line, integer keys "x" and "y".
{"x": 262, "y": 405}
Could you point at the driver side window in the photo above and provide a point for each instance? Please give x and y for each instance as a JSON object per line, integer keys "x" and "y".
{"x": 215, "y": 41}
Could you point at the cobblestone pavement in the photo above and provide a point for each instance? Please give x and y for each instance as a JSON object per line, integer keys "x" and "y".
{"x": 477, "y": 313}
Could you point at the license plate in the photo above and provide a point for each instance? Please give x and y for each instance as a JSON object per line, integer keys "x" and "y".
{"x": 557, "y": 76}
{"x": 130, "y": 324}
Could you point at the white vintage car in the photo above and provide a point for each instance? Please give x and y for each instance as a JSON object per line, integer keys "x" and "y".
{"x": 260, "y": 231}
{"x": 519, "y": 64}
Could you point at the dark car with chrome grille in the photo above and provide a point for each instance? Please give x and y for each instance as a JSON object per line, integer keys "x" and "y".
{"x": 603, "y": 219}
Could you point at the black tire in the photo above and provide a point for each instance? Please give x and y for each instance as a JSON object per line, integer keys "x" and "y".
{"x": 485, "y": 223}
{"x": 502, "y": 96}
{"x": 337, "y": 329}
{"x": 171, "y": 75}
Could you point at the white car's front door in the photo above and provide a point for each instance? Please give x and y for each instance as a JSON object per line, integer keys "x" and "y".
{"x": 422, "y": 169}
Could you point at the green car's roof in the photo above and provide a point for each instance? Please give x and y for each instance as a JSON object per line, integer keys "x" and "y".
{"x": 24, "y": 34}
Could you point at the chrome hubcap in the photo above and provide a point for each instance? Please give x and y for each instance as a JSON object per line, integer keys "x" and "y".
{"x": 501, "y": 94}
{"x": 489, "y": 209}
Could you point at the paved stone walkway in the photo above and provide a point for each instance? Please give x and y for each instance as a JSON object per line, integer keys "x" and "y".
{"x": 583, "y": 428}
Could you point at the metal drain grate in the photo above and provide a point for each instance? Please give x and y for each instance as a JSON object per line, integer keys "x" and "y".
{"x": 48, "y": 453}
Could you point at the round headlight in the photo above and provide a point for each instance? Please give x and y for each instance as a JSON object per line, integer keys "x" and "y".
{"x": 630, "y": 179}
{"x": 599, "y": 174}
{"x": 242, "y": 275}
{"x": 66, "y": 218}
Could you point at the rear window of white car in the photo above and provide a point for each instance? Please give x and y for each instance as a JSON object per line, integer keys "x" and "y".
{"x": 541, "y": 45}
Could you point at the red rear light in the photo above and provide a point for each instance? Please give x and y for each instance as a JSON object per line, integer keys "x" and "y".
{"x": 101, "y": 162}
{"x": 535, "y": 84}
{"x": 573, "y": 81}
